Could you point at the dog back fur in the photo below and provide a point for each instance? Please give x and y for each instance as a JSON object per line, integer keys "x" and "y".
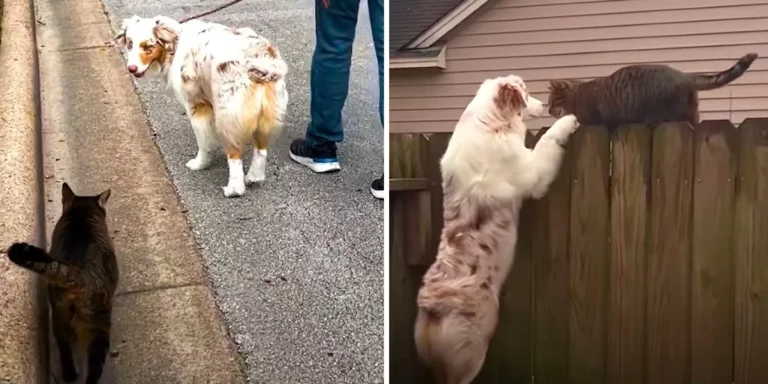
{"x": 231, "y": 75}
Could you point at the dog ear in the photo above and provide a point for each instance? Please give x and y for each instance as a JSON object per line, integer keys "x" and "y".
{"x": 120, "y": 35}
{"x": 124, "y": 26}
{"x": 509, "y": 98}
{"x": 167, "y": 36}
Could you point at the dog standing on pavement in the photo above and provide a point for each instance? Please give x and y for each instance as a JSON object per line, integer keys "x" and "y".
{"x": 230, "y": 80}
{"x": 487, "y": 173}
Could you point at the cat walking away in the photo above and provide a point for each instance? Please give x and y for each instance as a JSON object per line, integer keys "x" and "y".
{"x": 646, "y": 94}
{"x": 81, "y": 275}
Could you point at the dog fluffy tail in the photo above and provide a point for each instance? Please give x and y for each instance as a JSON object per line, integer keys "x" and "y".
{"x": 266, "y": 69}
{"x": 450, "y": 346}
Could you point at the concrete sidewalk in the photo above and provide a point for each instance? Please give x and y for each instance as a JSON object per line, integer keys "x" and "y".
{"x": 166, "y": 326}
{"x": 22, "y": 312}
{"x": 297, "y": 263}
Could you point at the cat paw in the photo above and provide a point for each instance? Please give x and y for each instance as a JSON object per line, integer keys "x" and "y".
{"x": 18, "y": 251}
{"x": 234, "y": 189}
{"x": 197, "y": 164}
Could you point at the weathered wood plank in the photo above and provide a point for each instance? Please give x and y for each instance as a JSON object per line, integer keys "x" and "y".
{"x": 438, "y": 143}
{"x": 550, "y": 263}
{"x": 409, "y": 160}
{"x": 515, "y": 355}
{"x": 751, "y": 344}
{"x": 406, "y": 219}
{"x": 398, "y": 185}
{"x": 669, "y": 256}
{"x": 510, "y": 354}
{"x": 712, "y": 313}
{"x": 630, "y": 185}
{"x": 589, "y": 254}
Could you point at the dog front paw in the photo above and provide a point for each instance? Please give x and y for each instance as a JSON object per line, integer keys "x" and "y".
{"x": 234, "y": 189}
{"x": 255, "y": 177}
{"x": 569, "y": 122}
{"x": 197, "y": 164}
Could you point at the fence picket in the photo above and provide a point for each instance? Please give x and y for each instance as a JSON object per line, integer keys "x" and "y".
{"x": 550, "y": 225}
{"x": 511, "y": 352}
{"x": 589, "y": 254}
{"x": 714, "y": 189}
{"x": 410, "y": 233}
{"x": 751, "y": 232}
{"x": 660, "y": 277}
{"x": 630, "y": 186}
{"x": 669, "y": 255}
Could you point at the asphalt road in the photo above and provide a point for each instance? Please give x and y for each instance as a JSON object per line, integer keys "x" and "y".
{"x": 297, "y": 263}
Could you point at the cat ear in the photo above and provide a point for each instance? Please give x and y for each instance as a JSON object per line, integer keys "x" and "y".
{"x": 66, "y": 195}
{"x": 556, "y": 84}
{"x": 103, "y": 197}
{"x": 560, "y": 85}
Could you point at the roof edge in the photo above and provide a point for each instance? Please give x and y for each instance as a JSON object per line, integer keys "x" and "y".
{"x": 419, "y": 58}
{"x": 446, "y": 24}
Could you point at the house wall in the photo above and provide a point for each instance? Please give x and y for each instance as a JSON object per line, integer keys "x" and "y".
{"x": 542, "y": 40}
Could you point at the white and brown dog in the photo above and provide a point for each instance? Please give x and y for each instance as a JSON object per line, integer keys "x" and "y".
{"x": 487, "y": 173}
{"x": 230, "y": 80}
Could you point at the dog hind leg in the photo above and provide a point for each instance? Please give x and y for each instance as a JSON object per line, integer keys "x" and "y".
{"x": 236, "y": 185}
{"x": 465, "y": 363}
{"x": 264, "y": 121}
{"x": 201, "y": 118}
{"x": 258, "y": 171}
{"x": 451, "y": 347}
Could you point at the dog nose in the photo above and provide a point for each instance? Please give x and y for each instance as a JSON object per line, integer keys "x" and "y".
{"x": 132, "y": 68}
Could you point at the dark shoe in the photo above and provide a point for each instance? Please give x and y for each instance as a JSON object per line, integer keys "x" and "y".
{"x": 377, "y": 188}
{"x": 320, "y": 160}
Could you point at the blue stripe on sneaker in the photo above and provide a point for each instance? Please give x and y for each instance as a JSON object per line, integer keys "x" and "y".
{"x": 325, "y": 161}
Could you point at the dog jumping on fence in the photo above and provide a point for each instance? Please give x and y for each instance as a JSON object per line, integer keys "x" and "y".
{"x": 230, "y": 80}
{"x": 487, "y": 173}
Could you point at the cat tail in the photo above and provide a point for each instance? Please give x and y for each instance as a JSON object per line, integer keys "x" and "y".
{"x": 37, "y": 260}
{"x": 707, "y": 82}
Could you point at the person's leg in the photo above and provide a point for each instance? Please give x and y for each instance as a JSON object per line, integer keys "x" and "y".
{"x": 335, "y": 22}
{"x": 376, "y": 13}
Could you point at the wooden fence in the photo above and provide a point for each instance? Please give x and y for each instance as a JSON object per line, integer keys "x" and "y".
{"x": 647, "y": 261}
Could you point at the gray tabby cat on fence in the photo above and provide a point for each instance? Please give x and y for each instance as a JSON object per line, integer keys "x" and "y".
{"x": 646, "y": 94}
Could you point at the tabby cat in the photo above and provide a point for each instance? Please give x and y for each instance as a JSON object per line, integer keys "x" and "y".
{"x": 647, "y": 94}
{"x": 81, "y": 274}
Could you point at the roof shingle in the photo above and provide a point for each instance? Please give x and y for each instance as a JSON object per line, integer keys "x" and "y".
{"x": 409, "y": 18}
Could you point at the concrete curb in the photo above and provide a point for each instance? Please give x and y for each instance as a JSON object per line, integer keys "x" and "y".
{"x": 23, "y": 355}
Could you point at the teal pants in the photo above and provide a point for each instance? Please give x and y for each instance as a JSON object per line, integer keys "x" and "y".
{"x": 331, "y": 61}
